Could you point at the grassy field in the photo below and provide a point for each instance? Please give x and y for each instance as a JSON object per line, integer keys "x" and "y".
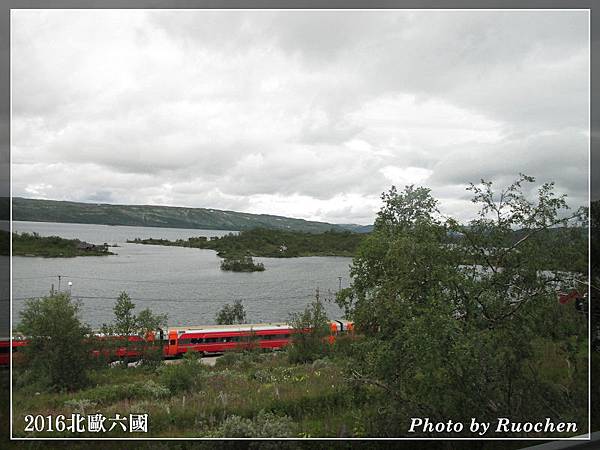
{"x": 244, "y": 395}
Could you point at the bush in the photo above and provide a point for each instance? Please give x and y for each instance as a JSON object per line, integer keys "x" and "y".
{"x": 236, "y": 427}
{"x": 244, "y": 359}
{"x": 127, "y": 323}
{"x": 235, "y": 359}
{"x": 111, "y": 393}
{"x": 311, "y": 328}
{"x": 181, "y": 377}
{"x": 230, "y": 314}
{"x": 265, "y": 425}
{"x": 80, "y": 405}
{"x": 152, "y": 356}
{"x": 58, "y": 352}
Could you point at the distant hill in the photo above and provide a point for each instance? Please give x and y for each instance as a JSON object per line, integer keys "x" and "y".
{"x": 356, "y": 228}
{"x": 36, "y": 210}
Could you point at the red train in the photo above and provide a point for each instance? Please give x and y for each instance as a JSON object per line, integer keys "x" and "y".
{"x": 180, "y": 340}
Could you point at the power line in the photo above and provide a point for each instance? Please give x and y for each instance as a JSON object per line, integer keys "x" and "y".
{"x": 129, "y": 281}
{"x": 121, "y": 280}
{"x": 166, "y": 300}
{"x": 188, "y": 283}
{"x": 35, "y": 278}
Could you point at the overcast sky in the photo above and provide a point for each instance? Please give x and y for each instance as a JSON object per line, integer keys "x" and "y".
{"x": 303, "y": 114}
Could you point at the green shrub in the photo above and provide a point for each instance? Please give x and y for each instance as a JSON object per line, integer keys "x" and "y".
{"x": 181, "y": 377}
{"x": 111, "y": 393}
{"x": 230, "y": 314}
{"x": 58, "y": 352}
{"x": 268, "y": 424}
{"x": 229, "y": 359}
{"x": 243, "y": 359}
{"x": 153, "y": 356}
{"x": 321, "y": 363}
{"x": 156, "y": 390}
{"x": 311, "y": 327}
{"x": 80, "y": 405}
{"x": 236, "y": 427}
{"x": 264, "y": 425}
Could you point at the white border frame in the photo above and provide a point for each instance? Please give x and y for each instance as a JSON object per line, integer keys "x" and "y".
{"x": 586, "y": 437}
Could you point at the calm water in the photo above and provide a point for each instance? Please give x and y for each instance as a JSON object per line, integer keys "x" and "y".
{"x": 185, "y": 283}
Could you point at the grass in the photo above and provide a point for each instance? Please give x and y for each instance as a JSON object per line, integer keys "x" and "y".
{"x": 263, "y": 391}
{"x": 246, "y": 394}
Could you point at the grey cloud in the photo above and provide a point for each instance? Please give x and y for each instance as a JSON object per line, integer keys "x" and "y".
{"x": 232, "y": 110}
{"x": 560, "y": 157}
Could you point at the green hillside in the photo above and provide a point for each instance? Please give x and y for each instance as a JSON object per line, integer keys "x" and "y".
{"x": 156, "y": 216}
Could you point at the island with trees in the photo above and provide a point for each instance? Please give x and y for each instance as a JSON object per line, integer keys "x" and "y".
{"x": 241, "y": 264}
{"x": 263, "y": 242}
{"x": 32, "y": 244}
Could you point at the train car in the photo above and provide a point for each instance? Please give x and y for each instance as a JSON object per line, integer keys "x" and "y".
{"x": 118, "y": 347}
{"x": 180, "y": 340}
{"x": 5, "y": 348}
{"x": 221, "y": 338}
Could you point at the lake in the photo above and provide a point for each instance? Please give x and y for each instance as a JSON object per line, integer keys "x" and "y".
{"x": 185, "y": 283}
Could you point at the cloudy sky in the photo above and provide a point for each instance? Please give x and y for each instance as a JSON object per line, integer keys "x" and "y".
{"x": 302, "y": 113}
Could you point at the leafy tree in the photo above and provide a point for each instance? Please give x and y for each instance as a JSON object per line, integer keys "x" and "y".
{"x": 127, "y": 323}
{"x": 125, "y": 320}
{"x": 460, "y": 321}
{"x": 230, "y": 314}
{"x": 595, "y": 307}
{"x": 58, "y": 352}
{"x": 147, "y": 321}
{"x": 311, "y": 328}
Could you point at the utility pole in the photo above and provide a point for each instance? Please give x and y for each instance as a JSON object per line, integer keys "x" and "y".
{"x": 59, "y": 276}
{"x": 340, "y": 280}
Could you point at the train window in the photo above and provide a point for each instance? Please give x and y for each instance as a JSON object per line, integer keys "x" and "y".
{"x": 172, "y": 342}
{"x": 194, "y": 341}
{"x": 4, "y": 349}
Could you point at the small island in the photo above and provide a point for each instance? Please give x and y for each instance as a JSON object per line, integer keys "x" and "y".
{"x": 32, "y": 244}
{"x": 241, "y": 264}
